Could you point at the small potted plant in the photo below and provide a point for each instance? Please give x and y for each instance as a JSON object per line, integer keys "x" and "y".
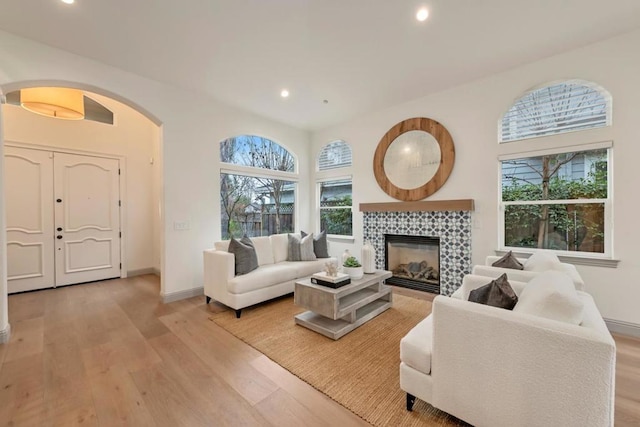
{"x": 353, "y": 268}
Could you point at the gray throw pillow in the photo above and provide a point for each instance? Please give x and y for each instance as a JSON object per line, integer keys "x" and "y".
{"x": 246, "y": 259}
{"x": 497, "y": 293}
{"x": 293, "y": 248}
{"x": 306, "y": 248}
{"x": 508, "y": 261}
{"x": 320, "y": 245}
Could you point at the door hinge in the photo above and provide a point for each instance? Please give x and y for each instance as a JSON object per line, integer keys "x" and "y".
{"x": 120, "y": 266}
{"x": 119, "y": 202}
{"x": 120, "y": 234}
{"x": 118, "y": 171}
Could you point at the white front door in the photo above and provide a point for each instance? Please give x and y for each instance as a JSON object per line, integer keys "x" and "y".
{"x": 87, "y": 218}
{"x": 63, "y": 218}
{"x": 28, "y": 183}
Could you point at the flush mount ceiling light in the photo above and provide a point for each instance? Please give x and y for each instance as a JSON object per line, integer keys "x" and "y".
{"x": 68, "y": 1}
{"x": 284, "y": 93}
{"x": 58, "y": 102}
{"x": 422, "y": 14}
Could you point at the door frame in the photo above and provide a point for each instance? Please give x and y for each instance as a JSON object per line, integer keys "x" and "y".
{"x": 122, "y": 187}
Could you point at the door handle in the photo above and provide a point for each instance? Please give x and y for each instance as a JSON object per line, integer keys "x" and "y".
{"x": 59, "y": 200}
{"x": 58, "y": 237}
{"x": 59, "y": 229}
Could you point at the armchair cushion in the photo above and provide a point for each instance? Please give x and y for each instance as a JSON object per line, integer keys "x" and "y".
{"x": 551, "y": 295}
{"x": 496, "y": 293}
{"x": 508, "y": 261}
{"x": 415, "y": 347}
{"x": 542, "y": 261}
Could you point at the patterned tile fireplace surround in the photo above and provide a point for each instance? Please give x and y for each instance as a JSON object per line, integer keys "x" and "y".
{"x": 453, "y": 227}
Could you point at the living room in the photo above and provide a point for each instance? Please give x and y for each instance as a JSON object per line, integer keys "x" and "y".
{"x": 190, "y": 125}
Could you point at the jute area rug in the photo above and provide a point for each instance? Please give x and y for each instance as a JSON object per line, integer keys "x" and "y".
{"x": 360, "y": 370}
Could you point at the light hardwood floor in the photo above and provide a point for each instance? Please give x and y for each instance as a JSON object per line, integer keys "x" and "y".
{"x": 109, "y": 353}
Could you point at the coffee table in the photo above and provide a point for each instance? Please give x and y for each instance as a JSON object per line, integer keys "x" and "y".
{"x": 336, "y": 312}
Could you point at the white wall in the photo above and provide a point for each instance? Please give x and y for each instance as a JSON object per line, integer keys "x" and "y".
{"x": 471, "y": 113}
{"x": 132, "y": 136}
{"x": 192, "y": 126}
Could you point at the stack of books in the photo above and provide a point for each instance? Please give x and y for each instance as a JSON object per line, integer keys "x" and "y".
{"x": 330, "y": 281}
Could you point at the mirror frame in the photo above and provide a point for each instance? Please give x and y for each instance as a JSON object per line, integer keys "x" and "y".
{"x": 447, "y": 158}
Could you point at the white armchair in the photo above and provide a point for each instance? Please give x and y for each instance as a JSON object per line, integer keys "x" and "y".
{"x": 494, "y": 367}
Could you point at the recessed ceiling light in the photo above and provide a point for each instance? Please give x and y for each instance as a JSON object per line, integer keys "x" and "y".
{"x": 422, "y": 14}
{"x": 68, "y": 1}
{"x": 284, "y": 93}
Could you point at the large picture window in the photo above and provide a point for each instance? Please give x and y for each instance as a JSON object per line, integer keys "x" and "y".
{"x": 557, "y": 201}
{"x": 335, "y": 196}
{"x": 257, "y": 187}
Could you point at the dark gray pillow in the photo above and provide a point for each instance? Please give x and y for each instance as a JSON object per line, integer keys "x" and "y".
{"x": 320, "y": 246}
{"x": 246, "y": 259}
{"x": 508, "y": 261}
{"x": 497, "y": 293}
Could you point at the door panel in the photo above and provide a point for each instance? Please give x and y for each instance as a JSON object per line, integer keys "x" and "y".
{"x": 29, "y": 210}
{"x": 87, "y": 210}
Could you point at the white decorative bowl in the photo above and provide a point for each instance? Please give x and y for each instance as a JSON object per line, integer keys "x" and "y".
{"x": 354, "y": 272}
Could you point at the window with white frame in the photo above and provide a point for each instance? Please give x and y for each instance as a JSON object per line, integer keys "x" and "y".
{"x": 559, "y": 198}
{"x": 335, "y": 196}
{"x": 258, "y": 183}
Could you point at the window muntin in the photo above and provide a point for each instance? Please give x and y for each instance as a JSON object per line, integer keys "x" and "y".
{"x": 336, "y": 216}
{"x": 550, "y": 202}
{"x": 257, "y": 187}
{"x": 334, "y": 155}
{"x": 558, "y": 108}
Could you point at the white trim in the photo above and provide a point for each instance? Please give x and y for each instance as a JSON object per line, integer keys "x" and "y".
{"x": 180, "y": 295}
{"x": 5, "y": 334}
{"x": 232, "y": 169}
{"x": 623, "y": 328}
{"x": 559, "y": 150}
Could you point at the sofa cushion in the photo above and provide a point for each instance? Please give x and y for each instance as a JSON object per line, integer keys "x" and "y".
{"x": 552, "y": 295}
{"x": 496, "y": 293}
{"x": 245, "y": 256}
{"x": 508, "y": 261}
{"x": 300, "y": 248}
{"x": 306, "y": 268}
{"x": 320, "y": 244}
{"x": 415, "y": 347}
{"x": 263, "y": 277}
{"x": 542, "y": 261}
{"x": 279, "y": 245}
{"x": 222, "y": 245}
{"x": 263, "y": 250}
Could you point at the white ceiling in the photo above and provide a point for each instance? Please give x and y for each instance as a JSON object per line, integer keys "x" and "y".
{"x": 360, "y": 55}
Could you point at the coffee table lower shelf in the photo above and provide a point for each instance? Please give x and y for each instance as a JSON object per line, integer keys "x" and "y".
{"x": 335, "y": 329}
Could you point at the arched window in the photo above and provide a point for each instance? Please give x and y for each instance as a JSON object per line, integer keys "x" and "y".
{"x": 335, "y": 197}
{"x": 334, "y": 155}
{"x": 557, "y": 108}
{"x": 258, "y": 183}
{"x": 559, "y": 197}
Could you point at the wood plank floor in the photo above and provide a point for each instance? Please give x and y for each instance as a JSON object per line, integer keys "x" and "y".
{"x": 109, "y": 353}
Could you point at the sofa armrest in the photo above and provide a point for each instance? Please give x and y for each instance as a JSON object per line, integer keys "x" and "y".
{"x": 219, "y": 269}
{"x": 495, "y": 367}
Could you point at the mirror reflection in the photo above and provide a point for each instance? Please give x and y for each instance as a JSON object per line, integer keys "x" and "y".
{"x": 412, "y": 159}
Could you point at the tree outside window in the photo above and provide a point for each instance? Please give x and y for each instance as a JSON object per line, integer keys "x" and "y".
{"x": 335, "y": 207}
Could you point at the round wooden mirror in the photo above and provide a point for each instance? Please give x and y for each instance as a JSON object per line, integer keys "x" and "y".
{"x": 414, "y": 159}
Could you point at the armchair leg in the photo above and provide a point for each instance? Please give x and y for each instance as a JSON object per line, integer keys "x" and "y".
{"x": 208, "y": 300}
{"x": 238, "y": 313}
{"x": 411, "y": 399}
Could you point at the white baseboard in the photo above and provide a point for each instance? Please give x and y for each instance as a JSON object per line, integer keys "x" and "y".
{"x": 141, "y": 271}
{"x": 623, "y": 328}
{"x": 187, "y": 293}
{"x": 5, "y": 334}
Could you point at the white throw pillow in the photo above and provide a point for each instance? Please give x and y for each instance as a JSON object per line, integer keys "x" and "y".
{"x": 542, "y": 261}
{"x": 552, "y": 295}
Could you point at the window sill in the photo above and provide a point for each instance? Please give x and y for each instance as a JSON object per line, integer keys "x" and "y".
{"x": 340, "y": 239}
{"x": 594, "y": 261}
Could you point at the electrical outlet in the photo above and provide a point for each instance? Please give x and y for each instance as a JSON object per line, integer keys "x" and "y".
{"x": 180, "y": 225}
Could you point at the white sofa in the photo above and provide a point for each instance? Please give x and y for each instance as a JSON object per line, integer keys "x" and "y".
{"x": 274, "y": 277}
{"x": 525, "y": 275}
{"x": 493, "y": 367}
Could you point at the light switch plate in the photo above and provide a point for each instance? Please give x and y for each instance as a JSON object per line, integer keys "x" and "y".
{"x": 180, "y": 225}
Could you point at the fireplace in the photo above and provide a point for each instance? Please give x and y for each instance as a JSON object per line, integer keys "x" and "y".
{"x": 414, "y": 261}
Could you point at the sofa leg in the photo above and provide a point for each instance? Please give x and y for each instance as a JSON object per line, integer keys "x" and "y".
{"x": 238, "y": 313}
{"x": 411, "y": 399}
{"x": 208, "y": 299}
